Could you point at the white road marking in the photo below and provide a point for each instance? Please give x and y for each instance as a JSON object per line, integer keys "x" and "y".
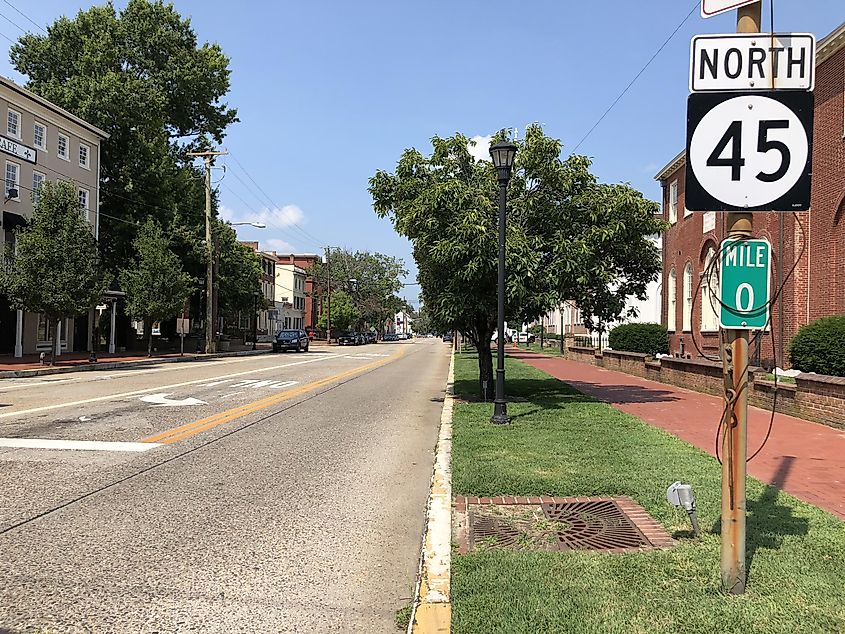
{"x": 112, "y": 397}
{"x": 161, "y": 400}
{"x": 79, "y": 445}
{"x": 84, "y": 419}
{"x": 214, "y": 383}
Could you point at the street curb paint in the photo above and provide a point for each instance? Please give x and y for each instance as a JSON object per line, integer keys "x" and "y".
{"x": 116, "y": 365}
{"x": 432, "y": 609}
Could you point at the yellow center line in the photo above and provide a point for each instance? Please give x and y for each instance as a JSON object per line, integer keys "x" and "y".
{"x": 204, "y": 424}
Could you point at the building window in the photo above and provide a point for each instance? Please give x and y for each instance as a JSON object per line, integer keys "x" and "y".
{"x": 671, "y": 311}
{"x": 83, "y": 202}
{"x": 709, "y": 319}
{"x": 84, "y": 156}
{"x": 673, "y": 202}
{"x": 12, "y": 175}
{"x": 13, "y": 124}
{"x": 37, "y": 181}
{"x": 45, "y": 332}
{"x": 39, "y": 136}
{"x": 688, "y": 297}
{"x": 62, "y": 146}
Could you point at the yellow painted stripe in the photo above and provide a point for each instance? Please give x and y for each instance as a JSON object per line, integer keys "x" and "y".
{"x": 204, "y": 424}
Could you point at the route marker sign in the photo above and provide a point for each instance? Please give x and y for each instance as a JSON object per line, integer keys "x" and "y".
{"x": 709, "y": 8}
{"x": 755, "y": 61}
{"x": 749, "y": 151}
{"x": 745, "y": 284}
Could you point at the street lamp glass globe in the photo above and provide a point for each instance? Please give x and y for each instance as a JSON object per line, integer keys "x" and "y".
{"x": 503, "y": 154}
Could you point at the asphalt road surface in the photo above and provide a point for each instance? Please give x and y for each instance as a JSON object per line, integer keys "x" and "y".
{"x": 274, "y": 493}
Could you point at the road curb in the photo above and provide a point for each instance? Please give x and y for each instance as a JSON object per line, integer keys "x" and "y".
{"x": 113, "y": 365}
{"x": 432, "y": 609}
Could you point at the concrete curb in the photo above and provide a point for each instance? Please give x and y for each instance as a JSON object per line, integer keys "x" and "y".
{"x": 114, "y": 365}
{"x": 432, "y": 610}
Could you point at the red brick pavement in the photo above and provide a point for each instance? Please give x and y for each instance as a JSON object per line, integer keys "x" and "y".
{"x": 803, "y": 458}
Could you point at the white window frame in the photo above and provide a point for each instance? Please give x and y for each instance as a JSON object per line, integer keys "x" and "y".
{"x": 66, "y": 155}
{"x": 672, "y": 302}
{"x": 87, "y": 164}
{"x": 673, "y": 201}
{"x": 43, "y": 126}
{"x": 35, "y": 186}
{"x": 17, "y": 180}
{"x": 14, "y": 135}
{"x": 686, "y": 326}
{"x": 86, "y": 208}
{"x": 709, "y": 318}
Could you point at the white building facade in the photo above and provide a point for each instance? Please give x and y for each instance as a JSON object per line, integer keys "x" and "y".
{"x": 290, "y": 296}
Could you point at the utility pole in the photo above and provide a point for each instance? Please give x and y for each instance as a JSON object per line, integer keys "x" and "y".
{"x": 735, "y": 369}
{"x": 328, "y": 297}
{"x": 210, "y": 326}
{"x": 562, "y": 337}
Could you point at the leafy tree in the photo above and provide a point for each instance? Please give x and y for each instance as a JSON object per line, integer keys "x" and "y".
{"x": 345, "y": 313}
{"x": 155, "y": 284}
{"x": 239, "y": 275}
{"x": 568, "y": 236}
{"x": 57, "y": 269}
{"x": 140, "y": 75}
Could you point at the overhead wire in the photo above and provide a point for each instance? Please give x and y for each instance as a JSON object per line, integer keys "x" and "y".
{"x": 26, "y": 17}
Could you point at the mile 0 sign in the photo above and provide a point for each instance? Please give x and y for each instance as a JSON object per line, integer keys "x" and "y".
{"x": 749, "y": 151}
{"x": 744, "y": 283}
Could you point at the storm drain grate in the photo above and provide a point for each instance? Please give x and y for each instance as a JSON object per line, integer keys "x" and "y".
{"x": 593, "y": 526}
{"x": 556, "y": 524}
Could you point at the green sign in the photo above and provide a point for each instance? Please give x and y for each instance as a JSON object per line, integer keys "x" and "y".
{"x": 745, "y": 284}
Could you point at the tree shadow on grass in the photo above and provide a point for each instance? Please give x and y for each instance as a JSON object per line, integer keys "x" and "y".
{"x": 531, "y": 390}
{"x": 767, "y": 522}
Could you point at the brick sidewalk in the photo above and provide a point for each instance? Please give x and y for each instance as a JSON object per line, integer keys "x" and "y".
{"x": 803, "y": 458}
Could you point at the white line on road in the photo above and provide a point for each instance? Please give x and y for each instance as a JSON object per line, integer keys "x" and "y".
{"x": 79, "y": 445}
{"x": 112, "y": 397}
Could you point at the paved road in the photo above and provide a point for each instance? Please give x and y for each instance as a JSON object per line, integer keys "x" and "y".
{"x": 279, "y": 493}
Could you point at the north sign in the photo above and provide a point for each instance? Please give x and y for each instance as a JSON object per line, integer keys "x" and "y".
{"x": 709, "y": 8}
{"x": 749, "y": 152}
{"x": 744, "y": 284}
{"x": 740, "y": 61}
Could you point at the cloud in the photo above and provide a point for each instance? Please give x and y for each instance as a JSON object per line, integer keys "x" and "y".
{"x": 481, "y": 150}
{"x": 276, "y": 218}
{"x": 278, "y": 245}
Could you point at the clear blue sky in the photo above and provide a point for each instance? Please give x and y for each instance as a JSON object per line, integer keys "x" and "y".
{"x": 329, "y": 92}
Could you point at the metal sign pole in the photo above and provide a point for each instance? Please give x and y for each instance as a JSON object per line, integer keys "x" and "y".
{"x": 735, "y": 433}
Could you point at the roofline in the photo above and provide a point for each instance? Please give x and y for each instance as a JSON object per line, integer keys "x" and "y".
{"x": 8, "y": 83}
{"x": 672, "y": 166}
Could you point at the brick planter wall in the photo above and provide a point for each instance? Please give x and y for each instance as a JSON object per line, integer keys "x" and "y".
{"x": 628, "y": 362}
{"x": 694, "y": 374}
{"x": 585, "y": 355}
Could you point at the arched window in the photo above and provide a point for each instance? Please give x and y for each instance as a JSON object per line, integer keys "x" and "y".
{"x": 671, "y": 301}
{"x": 688, "y": 297}
{"x": 709, "y": 288}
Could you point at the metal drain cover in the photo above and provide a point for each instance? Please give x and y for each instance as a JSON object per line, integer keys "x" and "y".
{"x": 597, "y": 525}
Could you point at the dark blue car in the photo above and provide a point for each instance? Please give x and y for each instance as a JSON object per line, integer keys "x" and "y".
{"x": 290, "y": 340}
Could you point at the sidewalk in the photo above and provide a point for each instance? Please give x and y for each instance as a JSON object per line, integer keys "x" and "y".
{"x": 803, "y": 458}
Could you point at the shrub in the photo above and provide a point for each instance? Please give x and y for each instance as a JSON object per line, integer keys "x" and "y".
{"x": 644, "y": 338}
{"x": 820, "y": 347}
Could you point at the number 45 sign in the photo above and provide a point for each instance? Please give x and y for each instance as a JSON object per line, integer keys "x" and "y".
{"x": 749, "y": 152}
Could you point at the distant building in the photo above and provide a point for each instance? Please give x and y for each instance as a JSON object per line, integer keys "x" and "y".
{"x": 312, "y": 292}
{"x": 290, "y": 296}
{"x": 266, "y": 325}
{"x": 39, "y": 142}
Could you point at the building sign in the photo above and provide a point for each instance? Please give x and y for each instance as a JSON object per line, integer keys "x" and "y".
{"x": 745, "y": 284}
{"x": 18, "y": 150}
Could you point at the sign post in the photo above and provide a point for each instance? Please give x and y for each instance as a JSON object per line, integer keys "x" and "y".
{"x": 183, "y": 327}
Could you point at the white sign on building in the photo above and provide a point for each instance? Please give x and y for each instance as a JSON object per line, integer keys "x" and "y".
{"x": 18, "y": 150}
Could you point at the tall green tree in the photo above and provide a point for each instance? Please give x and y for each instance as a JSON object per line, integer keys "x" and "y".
{"x": 567, "y": 234}
{"x": 141, "y": 75}
{"x": 239, "y": 275}
{"x": 155, "y": 284}
{"x": 345, "y": 313}
{"x": 57, "y": 268}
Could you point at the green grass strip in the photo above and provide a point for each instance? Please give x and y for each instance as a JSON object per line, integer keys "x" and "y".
{"x": 566, "y": 444}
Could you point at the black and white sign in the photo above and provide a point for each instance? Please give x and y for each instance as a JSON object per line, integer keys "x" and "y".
{"x": 709, "y": 8}
{"x": 749, "y": 152}
{"x": 18, "y": 150}
{"x": 740, "y": 61}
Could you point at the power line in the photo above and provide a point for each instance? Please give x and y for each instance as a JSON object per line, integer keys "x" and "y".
{"x": 696, "y": 4}
{"x": 15, "y": 24}
{"x": 26, "y": 17}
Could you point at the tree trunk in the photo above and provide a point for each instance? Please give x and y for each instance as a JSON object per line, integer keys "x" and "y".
{"x": 485, "y": 369}
{"x": 150, "y": 341}
{"x": 56, "y": 349}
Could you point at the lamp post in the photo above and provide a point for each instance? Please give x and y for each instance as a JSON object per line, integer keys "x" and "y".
{"x": 255, "y": 295}
{"x": 502, "y": 154}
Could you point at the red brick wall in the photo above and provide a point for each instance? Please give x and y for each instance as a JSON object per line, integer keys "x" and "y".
{"x": 312, "y": 313}
{"x": 818, "y": 282}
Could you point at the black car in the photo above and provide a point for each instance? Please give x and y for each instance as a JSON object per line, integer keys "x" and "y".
{"x": 348, "y": 339}
{"x": 447, "y": 337}
{"x": 360, "y": 338}
{"x": 372, "y": 337}
{"x": 390, "y": 336}
{"x": 290, "y": 340}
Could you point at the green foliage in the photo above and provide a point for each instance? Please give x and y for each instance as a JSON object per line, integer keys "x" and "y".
{"x": 645, "y": 338}
{"x": 156, "y": 286}
{"x": 820, "y": 347}
{"x": 57, "y": 269}
{"x": 568, "y": 236}
{"x": 140, "y": 75}
{"x": 345, "y": 313}
{"x": 239, "y": 276}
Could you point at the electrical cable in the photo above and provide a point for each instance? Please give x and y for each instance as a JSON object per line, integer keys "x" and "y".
{"x": 26, "y": 17}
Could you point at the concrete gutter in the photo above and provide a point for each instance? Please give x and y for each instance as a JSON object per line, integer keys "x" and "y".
{"x": 118, "y": 365}
{"x": 432, "y": 610}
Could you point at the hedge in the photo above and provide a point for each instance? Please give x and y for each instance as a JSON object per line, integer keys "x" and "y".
{"x": 643, "y": 338}
{"x": 820, "y": 347}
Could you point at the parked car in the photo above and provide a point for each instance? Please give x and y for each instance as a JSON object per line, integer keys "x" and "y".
{"x": 311, "y": 333}
{"x": 447, "y": 337}
{"x": 390, "y": 336}
{"x": 360, "y": 338}
{"x": 372, "y": 337}
{"x": 347, "y": 339}
{"x": 290, "y": 340}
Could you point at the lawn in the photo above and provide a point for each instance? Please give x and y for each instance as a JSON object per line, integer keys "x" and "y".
{"x": 551, "y": 348}
{"x": 563, "y": 443}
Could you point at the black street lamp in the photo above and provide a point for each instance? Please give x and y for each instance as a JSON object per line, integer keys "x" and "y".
{"x": 502, "y": 154}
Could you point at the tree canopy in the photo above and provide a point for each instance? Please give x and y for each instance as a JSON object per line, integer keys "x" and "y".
{"x": 345, "y": 313}
{"x": 569, "y": 237}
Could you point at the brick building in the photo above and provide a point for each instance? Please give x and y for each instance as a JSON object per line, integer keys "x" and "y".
{"x": 813, "y": 242}
{"x": 312, "y": 303}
